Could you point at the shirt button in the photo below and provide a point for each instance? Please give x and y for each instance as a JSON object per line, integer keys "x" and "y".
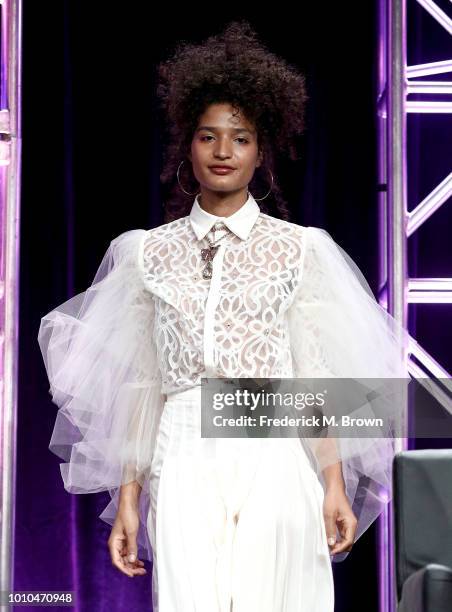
{"x": 219, "y": 225}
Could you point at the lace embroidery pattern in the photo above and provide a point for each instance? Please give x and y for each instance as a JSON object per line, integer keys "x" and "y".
{"x": 259, "y": 276}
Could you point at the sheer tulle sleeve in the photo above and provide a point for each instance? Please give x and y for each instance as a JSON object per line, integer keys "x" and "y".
{"x": 339, "y": 330}
{"x": 101, "y": 363}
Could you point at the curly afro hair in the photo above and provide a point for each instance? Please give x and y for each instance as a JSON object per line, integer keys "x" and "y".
{"x": 235, "y": 68}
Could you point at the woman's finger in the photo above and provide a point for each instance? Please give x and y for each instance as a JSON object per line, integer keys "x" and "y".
{"x": 330, "y": 526}
{"x": 124, "y": 554}
{"x": 115, "y": 546}
{"x": 347, "y": 530}
{"x": 127, "y": 563}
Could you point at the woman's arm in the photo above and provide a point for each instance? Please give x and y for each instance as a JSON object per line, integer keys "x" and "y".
{"x": 336, "y": 507}
{"x": 122, "y": 543}
{"x": 332, "y": 473}
{"x": 130, "y": 493}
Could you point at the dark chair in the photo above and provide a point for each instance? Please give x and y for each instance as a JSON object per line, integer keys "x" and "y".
{"x": 422, "y": 481}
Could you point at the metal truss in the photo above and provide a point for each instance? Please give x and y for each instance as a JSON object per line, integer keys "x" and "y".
{"x": 10, "y": 169}
{"x": 397, "y": 82}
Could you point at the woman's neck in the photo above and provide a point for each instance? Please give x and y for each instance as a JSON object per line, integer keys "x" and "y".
{"x": 224, "y": 205}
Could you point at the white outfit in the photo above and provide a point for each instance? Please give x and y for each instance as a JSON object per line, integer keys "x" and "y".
{"x": 224, "y": 520}
{"x": 244, "y": 530}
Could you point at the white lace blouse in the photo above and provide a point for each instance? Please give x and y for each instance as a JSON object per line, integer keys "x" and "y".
{"x": 235, "y": 323}
{"x": 283, "y": 301}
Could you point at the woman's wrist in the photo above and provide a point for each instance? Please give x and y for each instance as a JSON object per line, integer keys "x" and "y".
{"x": 334, "y": 480}
{"x": 129, "y": 494}
{"x": 336, "y": 486}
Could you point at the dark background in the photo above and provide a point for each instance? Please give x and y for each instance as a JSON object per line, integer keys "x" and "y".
{"x": 92, "y": 151}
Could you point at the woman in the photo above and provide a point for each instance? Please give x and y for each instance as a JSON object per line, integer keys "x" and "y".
{"x": 228, "y": 287}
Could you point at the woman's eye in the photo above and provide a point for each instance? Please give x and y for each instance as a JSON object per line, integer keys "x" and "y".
{"x": 240, "y": 138}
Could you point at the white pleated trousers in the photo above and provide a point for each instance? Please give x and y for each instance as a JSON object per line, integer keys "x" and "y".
{"x": 236, "y": 525}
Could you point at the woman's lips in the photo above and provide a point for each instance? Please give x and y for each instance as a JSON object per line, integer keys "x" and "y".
{"x": 221, "y": 170}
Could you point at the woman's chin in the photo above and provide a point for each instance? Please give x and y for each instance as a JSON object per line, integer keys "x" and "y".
{"x": 220, "y": 187}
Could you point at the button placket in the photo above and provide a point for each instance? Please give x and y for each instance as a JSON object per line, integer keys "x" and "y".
{"x": 213, "y": 298}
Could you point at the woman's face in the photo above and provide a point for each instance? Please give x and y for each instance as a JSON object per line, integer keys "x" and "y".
{"x": 225, "y": 140}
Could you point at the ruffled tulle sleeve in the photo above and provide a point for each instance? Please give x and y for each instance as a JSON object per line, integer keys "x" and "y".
{"x": 102, "y": 366}
{"x": 339, "y": 330}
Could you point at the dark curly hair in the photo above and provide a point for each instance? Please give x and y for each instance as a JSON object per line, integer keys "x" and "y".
{"x": 232, "y": 67}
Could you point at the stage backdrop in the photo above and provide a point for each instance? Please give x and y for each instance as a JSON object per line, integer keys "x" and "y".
{"x": 92, "y": 153}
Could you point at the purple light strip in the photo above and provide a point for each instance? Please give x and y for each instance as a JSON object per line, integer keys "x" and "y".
{"x": 419, "y": 106}
{"x": 439, "y": 298}
{"x": 430, "y": 87}
{"x": 440, "y": 284}
{"x": 429, "y": 291}
{"x": 433, "y": 367}
{"x": 429, "y": 204}
{"x": 417, "y": 70}
{"x": 382, "y": 20}
{"x": 420, "y": 298}
{"x": 431, "y": 385}
{"x": 10, "y": 190}
{"x": 438, "y": 14}
{"x": 383, "y": 545}
{"x": 393, "y": 141}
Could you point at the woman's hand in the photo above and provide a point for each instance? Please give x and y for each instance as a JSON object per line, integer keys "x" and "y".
{"x": 337, "y": 512}
{"x": 122, "y": 542}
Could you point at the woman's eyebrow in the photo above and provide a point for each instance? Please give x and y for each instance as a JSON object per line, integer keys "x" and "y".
{"x": 213, "y": 129}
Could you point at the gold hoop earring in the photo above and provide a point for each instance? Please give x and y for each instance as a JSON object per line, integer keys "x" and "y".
{"x": 178, "y": 180}
{"x": 269, "y": 191}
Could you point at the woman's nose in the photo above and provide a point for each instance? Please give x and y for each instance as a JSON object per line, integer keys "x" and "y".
{"x": 223, "y": 149}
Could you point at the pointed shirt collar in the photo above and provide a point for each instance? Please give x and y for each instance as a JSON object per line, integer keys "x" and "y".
{"x": 240, "y": 222}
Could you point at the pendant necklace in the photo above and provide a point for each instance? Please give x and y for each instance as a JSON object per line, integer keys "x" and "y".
{"x": 208, "y": 253}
